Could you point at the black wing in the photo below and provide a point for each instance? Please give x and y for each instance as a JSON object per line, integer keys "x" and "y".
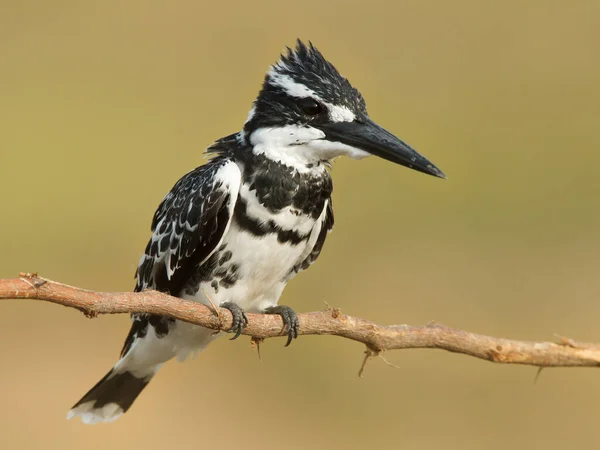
{"x": 187, "y": 227}
{"x": 326, "y": 227}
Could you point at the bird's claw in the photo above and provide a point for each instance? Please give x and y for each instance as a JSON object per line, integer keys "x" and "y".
{"x": 240, "y": 320}
{"x": 290, "y": 320}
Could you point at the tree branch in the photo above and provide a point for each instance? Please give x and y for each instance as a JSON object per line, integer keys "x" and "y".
{"x": 377, "y": 338}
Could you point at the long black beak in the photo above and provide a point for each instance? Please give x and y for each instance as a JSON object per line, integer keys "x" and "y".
{"x": 368, "y": 136}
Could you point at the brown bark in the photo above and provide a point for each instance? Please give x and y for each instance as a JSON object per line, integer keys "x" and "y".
{"x": 377, "y": 338}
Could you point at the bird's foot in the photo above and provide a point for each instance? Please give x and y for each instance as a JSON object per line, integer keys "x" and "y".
{"x": 239, "y": 319}
{"x": 290, "y": 320}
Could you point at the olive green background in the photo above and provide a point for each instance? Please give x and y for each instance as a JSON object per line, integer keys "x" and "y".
{"x": 104, "y": 105}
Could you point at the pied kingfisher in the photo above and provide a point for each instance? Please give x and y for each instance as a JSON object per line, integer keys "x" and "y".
{"x": 235, "y": 230}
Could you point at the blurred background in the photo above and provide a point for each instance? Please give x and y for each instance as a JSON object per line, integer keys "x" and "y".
{"x": 104, "y": 105}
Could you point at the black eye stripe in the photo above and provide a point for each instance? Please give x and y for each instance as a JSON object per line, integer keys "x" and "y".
{"x": 310, "y": 106}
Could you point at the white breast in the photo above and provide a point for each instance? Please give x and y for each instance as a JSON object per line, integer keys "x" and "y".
{"x": 264, "y": 264}
{"x": 264, "y": 267}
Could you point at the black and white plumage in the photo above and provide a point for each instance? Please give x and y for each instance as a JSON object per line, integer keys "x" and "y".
{"x": 237, "y": 229}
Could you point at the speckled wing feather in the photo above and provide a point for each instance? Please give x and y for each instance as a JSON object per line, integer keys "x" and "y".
{"x": 187, "y": 227}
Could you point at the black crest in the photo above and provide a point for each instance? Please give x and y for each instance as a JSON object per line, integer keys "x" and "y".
{"x": 304, "y": 65}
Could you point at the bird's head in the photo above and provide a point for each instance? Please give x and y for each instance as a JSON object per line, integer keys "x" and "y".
{"x": 307, "y": 112}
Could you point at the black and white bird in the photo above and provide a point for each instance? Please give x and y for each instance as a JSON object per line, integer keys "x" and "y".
{"x": 236, "y": 230}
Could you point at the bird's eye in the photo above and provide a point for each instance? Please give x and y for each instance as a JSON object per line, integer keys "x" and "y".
{"x": 310, "y": 106}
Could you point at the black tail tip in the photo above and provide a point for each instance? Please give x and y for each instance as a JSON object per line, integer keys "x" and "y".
{"x": 109, "y": 398}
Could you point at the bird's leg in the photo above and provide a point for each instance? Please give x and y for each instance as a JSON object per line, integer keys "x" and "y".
{"x": 290, "y": 320}
{"x": 239, "y": 319}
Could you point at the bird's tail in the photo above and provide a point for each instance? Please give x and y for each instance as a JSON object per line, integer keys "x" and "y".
{"x": 143, "y": 354}
{"x": 112, "y": 395}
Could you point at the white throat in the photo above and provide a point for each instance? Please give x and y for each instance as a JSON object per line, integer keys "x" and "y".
{"x": 302, "y": 148}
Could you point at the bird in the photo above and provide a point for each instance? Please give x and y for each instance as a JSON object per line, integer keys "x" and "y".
{"x": 234, "y": 231}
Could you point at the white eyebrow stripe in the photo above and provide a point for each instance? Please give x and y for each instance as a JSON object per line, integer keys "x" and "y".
{"x": 288, "y": 84}
{"x": 337, "y": 113}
